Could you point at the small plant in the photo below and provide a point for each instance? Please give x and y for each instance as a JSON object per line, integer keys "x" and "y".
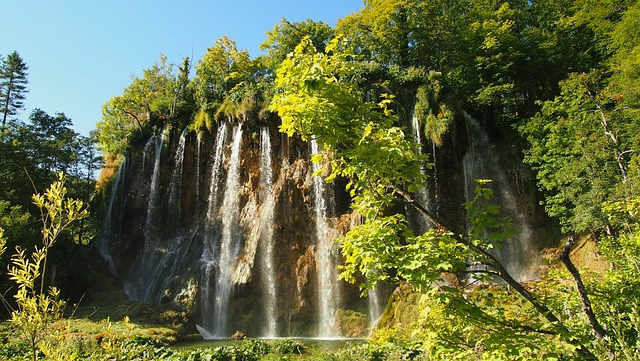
{"x": 36, "y": 310}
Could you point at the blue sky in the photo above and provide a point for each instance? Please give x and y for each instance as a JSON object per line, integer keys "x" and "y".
{"x": 82, "y": 53}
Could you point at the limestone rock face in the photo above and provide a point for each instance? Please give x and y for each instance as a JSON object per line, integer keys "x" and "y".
{"x": 191, "y": 220}
{"x": 185, "y": 236}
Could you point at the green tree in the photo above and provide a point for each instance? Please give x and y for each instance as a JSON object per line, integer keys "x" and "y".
{"x": 584, "y": 143}
{"x": 153, "y": 99}
{"x": 219, "y": 71}
{"x": 285, "y": 36}
{"x": 13, "y": 85}
{"x": 317, "y": 100}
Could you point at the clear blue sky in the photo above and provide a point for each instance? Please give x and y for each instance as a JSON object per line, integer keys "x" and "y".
{"x": 81, "y": 53}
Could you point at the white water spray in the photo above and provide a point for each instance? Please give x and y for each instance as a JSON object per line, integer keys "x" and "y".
{"x": 326, "y": 262}
{"x": 267, "y": 212}
{"x": 175, "y": 193}
{"x": 231, "y": 239}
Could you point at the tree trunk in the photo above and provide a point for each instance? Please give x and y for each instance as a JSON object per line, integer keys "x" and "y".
{"x": 598, "y": 330}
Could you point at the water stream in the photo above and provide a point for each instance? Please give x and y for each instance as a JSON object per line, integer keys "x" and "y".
{"x": 110, "y": 227}
{"x": 175, "y": 192}
{"x": 326, "y": 263}
{"x": 482, "y": 162}
{"x": 142, "y": 286}
{"x": 231, "y": 241}
{"x": 209, "y": 259}
{"x": 267, "y": 197}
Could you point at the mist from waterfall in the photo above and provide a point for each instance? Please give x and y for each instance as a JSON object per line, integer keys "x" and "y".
{"x": 481, "y": 162}
{"x": 326, "y": 262}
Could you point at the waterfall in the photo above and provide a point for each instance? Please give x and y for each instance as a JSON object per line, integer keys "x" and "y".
{"x": 421, "y": 195}
{"x": 231, "y": 240}
{"x": 230, "y": 244}
{"x": 267, "y": 197}
{"x": 375, "y": 308}
{"x": 481, "y": 162}
{"x": 176, "y": 178}
{"x": 154, "y": 192}
{"x": 216, "y": 169}
{"x": 209, "y": 261}
{"x": 325, "y": 256}
{"x": 199, "y": 140}
{"x": 147, "y": 269}
{"x": 109, "y": 226}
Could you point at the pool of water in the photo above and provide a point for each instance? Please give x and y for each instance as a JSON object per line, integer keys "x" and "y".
{"x": 309, "y": 343}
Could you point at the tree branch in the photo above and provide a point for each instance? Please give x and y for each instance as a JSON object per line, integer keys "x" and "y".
{"x": 598, "y": 330}
{"x": 502, "y": 273}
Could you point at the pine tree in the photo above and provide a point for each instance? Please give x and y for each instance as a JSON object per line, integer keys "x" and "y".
{"x": 13, "y": 85}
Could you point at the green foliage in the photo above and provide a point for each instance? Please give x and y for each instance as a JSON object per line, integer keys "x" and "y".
{"x": 158, "y": 97}
{"x": 488, "y": 228}
{"x": 219, "y": 71}
{"x": 285, "y": 36}
{"x": 580, "y": 151}
{"x": 36, "y": 309}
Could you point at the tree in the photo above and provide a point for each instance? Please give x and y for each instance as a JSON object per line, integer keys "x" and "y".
{"x": 584, "y": 144}
{"x": 152, "y": 99}
{"x": 219, "y": 70}
{"x": 13, "y": 85}
{"x": 285, "y": 36}
{"x": 316, "y": 99}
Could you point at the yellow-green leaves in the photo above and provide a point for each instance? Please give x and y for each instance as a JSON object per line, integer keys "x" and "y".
{"x": 57, "y": 212}
{"x": 36, "y": 310}
{"x": 2, "y": 242}
{"x": 386, "y": 246}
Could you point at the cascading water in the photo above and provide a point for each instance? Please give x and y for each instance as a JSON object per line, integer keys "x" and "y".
{"x": 421, "y": 195}
{"x": 480, "y": 163}
{"x": 230, "y": 243}
{"x": 209, "y": 261}
{"x": 109, "y": 225}
{"x": 199, "y": 142}
{"x": 326, "y": 263}
{"x": 231, "y": 239}
{"x": 375, "y": 308}
{"x": 267, "y": 213}
{"x": 216, "y": 170}
{"x": 176, "y": 178}
{"x": 142, "y": 286}
{"x": 254, "y": 252}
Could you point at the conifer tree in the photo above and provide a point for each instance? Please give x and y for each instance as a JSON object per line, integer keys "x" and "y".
{"x": 13, "y": 85}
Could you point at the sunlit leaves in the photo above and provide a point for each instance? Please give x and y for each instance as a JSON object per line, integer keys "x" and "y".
{"x": 36, "y": 309}
{"x": 219, "y": 70}
{"x": 2, "y": 242}
{"x": 487, "y": 227}
{"x": 385, "y": 249}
